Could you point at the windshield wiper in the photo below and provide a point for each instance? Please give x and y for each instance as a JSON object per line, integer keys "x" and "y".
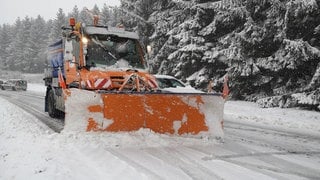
{"x": 96, "y": 41}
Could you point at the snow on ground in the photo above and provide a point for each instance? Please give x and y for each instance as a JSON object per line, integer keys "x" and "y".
{"x": 34, "y": 87}
{"x": 30, "y": 150}
{"x": 290, "y": 120}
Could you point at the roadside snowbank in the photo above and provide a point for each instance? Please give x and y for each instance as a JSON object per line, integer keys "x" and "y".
{"x": 285, "y": 119}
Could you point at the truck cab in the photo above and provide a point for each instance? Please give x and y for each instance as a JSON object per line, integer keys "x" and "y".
{"x": 95, "y": 58}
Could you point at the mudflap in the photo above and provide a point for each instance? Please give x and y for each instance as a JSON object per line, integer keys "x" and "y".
{"x": 176, "y": 113}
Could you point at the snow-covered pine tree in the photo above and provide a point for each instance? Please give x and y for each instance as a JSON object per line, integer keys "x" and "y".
{"x": 95, "y": 12}
{"x": 188, "y": 50}
{"x": 110, "y": 15}
{"x": 17, "y": 48}
{"x": 135, "y": 17}
{"x": 38, "y": 45}
{"x": 12, "y": 50}
{"x": 106, "y": 15}
{"x": 268, "y": 48}
{"x": 6, "y": 38}
{"x": 58, "y": 22}
{"x": 166, "y": 23}
{"x": 116, "y": 16}
{"x": 75, "y": 13}
{"x": 28, "y": 51}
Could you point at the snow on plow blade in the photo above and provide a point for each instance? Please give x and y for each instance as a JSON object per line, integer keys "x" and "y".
{"x": 176, "y": 113}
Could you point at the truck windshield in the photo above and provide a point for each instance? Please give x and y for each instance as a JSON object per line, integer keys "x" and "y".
{"x": 112, "y": 51}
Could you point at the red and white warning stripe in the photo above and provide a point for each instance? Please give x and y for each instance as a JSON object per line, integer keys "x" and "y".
{"x": 102, "y": 83}
{"x": 89, "y": 84}
{"x": 99, "y": 84}
{"x": 152, "y": 83}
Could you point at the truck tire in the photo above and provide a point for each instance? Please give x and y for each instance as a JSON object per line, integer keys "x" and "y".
{"x": 52, "y": 111}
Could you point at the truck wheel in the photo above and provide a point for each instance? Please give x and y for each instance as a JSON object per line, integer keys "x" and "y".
{"x": 52, "y": 111}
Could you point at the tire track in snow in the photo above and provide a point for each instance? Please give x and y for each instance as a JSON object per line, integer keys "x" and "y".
{"x": 190, "y": 166}
{"x": 136, "y": 164}
{"x": 31, "y": 106}
{"x": 223, "y": 168}
{"x": 272, "y": 139}
{"x": 228, "y": 149}
{"x": 282, "y": 132}
{"x": 280, "y": 167}
{"x": 264, "y": 162}
{"x": 277, "y": 145}
{"x": 86, "y": 168}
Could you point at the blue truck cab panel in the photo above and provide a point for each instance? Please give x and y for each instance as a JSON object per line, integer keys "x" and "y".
{"x": 55, "y": 57}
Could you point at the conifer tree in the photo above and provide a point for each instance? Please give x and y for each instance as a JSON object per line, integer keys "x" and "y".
{"x": 58, "y": 22}
{"x": 106, "y": 16}
{"x": 6, "y": 38}
{"x": 39, "y": 41}
{"x": 75, "y": 13}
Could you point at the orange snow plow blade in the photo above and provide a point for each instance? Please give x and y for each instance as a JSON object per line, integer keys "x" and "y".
{"x": 175, "y": 113}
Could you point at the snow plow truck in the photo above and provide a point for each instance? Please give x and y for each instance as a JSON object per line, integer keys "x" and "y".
{"x": 97, "y": 80}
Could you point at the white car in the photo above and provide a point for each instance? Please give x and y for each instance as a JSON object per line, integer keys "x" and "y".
{"x": 171, "y": 84}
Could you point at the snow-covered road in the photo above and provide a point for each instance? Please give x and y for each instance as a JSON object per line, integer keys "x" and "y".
{"x": 259, "y": 144}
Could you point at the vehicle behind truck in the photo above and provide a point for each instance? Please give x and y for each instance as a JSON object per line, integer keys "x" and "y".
{"x": 14, "y": 85}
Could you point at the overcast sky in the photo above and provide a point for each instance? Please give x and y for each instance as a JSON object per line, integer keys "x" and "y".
{"x": 10, "y": 10}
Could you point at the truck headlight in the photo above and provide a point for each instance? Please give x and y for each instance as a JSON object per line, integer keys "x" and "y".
{"x": 84, "y": 40}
